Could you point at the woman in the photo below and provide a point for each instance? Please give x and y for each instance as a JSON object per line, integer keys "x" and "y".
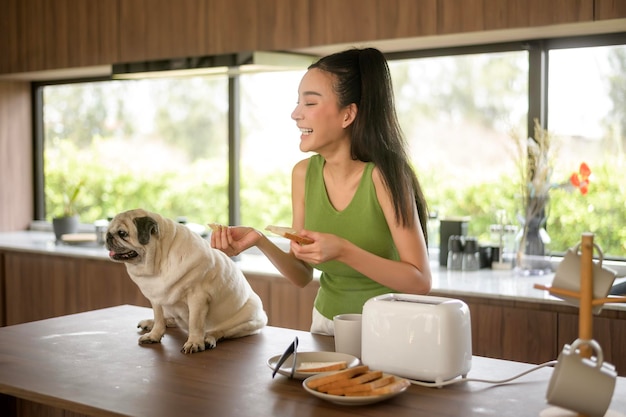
{"x": 357, "y": 198}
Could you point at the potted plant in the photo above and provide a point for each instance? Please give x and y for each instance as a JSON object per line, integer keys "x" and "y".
{"x": 67, "y": 220}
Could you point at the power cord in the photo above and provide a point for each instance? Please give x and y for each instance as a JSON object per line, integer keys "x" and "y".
{"x": 495, "y": 382}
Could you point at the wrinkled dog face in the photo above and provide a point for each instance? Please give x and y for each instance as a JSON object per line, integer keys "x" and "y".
{"x": 128, "y": 235}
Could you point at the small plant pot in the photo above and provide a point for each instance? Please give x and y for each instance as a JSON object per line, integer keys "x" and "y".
{"x": 65, "y": 225}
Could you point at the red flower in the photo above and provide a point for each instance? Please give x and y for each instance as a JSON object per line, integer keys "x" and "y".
{"x": 580, "y": 179}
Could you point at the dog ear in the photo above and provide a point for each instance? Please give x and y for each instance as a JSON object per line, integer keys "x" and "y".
{"x": 146, "y": 226}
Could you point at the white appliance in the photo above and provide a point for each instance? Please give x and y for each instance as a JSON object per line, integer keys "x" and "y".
{"x": 420, "y": 337}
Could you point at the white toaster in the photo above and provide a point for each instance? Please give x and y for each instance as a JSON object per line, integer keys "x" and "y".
{"x": 420, "y": 337}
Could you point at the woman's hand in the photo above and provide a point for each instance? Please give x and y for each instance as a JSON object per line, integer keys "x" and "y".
{"x": 235, "y": 239}
{"x": 325, "y": 247}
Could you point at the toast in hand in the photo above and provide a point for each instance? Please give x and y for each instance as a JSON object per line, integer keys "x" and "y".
{"x": 289, "y": 233}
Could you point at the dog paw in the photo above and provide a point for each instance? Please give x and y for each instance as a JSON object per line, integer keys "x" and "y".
{"x": 210, "y": 342}
{"x": 192, "y": 347}
{"x": 146, "y": 325}
{"x": 148, "y": 338}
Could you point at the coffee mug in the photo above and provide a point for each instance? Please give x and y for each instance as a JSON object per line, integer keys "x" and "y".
{"x": 348, "y": 334}
{"x": 582, "y": 385}
{"x": 567, "y": 277}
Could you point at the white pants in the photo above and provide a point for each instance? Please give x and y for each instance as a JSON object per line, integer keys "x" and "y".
{"x": 321, "y": 325}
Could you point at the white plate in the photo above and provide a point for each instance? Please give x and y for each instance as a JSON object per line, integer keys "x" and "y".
{"x": 285, "y": 369}
{"x": 342, "y": 400}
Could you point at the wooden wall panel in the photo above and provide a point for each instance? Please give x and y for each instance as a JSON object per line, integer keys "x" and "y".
{"x": 609, "y": 9}
{"x": 3, "y": 319}
{"x": 159, "y": 29}
{"x": 43, "y": 34}
{"x": 528, "y": 335}
{"x": 503, "y": 15}
{"x": 610, "y": 333}
{"x": 16, "y": 155}
{"x": 406, "y": 18}
{"x": 44, "y": 286}
{"x": 36, "y": 287}
{"x": 543, "y": 13}
{"x": 291, "y": 306}
{"x": 486, "y": 330}
{"x": 455, "y": 16}
{"x": 343, "y": 21}
{"x": 92, "y": 32}
{"x": 283, "y": 24}
{"x": 106, "y": 284}
{"x": 233, "y": 25}
{"x": 261, "y": 284}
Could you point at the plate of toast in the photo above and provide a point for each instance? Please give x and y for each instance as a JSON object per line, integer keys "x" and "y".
{"x": 358, "y": 385}
{"x": 313, "y": 363}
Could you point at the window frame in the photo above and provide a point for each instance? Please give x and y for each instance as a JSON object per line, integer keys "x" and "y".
{"x": 538, "y": 67}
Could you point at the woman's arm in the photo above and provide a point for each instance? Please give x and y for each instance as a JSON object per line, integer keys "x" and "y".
{"x": 236, "y": 239}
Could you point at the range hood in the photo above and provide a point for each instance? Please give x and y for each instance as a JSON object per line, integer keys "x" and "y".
{"x": 225, "y": 64}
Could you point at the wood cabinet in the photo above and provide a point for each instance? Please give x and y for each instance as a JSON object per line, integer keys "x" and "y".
{"x": 160, "y": 29}
{"x": 609, "y": 9}
{"x": 36, "y": 286}
{"x": 39, "y": 286}
{"x": 58, "y": 34}
{"x": 536, "y": 332}
{"x": 529, "y": 13}
{"x": 151, "y": 29}
{"x": 41, "y": 34}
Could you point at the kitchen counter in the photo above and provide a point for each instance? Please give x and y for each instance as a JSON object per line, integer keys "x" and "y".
{"x": 496, "y": 284}
{"x": 89, "y": 364}
{"x": 510, "y": 318}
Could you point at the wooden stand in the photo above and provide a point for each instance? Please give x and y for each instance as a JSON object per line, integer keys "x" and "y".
{"x": 585, "y": 295}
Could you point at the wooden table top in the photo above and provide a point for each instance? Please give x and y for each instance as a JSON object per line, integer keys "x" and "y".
{"x": 90, "y": 363}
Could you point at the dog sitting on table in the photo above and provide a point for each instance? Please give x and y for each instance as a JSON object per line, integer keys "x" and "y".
{"x": 187, "y": 282}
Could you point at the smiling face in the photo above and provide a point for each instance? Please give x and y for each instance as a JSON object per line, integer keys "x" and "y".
{"x": 322, "y": 123}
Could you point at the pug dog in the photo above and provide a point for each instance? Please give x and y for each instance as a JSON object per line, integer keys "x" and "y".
{"x": 188, "y": 283}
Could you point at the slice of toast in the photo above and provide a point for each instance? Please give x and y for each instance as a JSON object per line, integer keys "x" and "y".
{"x": 397, "y": 385}
{"x": 289, "y": 233}
{"x": 366, "y": 388}
{"x": 337, "y": 376}
{"x": 322, "y": 366}
{"x": 357, "y": 380}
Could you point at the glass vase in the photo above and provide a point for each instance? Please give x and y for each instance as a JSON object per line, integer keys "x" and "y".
{"x": 532, "y": 248}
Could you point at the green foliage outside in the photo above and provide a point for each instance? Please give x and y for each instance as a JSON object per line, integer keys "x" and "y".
{"x": 200, "y": 194}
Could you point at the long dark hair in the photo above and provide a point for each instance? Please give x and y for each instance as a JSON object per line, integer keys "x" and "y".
{"x": 361, "y": 76}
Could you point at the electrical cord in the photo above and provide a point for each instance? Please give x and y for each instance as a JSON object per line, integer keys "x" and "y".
{"x": 495, "y": 382}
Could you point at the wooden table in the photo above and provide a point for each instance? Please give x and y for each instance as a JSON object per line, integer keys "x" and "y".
{"x": 90, "y": 364}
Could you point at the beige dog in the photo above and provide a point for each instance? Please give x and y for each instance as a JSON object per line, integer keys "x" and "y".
{"x": 186, "y": 281}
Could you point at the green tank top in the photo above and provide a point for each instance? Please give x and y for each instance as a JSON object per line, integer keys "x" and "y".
{"x": 362, "y": 222}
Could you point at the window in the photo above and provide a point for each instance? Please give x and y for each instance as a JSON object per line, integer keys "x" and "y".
{"x": 159, "y": 144}
{"x": 163, "y": 144}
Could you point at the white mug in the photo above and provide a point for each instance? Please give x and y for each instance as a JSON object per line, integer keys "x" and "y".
{"x": 580, "y": 384}
{"x": 567, "y": 277}
{"x": 348, "y": 334}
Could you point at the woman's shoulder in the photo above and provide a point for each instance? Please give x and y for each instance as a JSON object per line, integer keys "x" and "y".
{"x": 301, "y": 166}
{"x": 377, "y": 176}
